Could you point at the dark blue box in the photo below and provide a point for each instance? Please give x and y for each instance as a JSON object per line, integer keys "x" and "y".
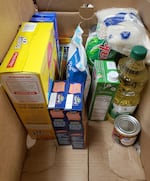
{"x": 78, "y": 140}
{"x": 57, "y": 99}
{"x": 63, "y": 137}
{"x": 75, "y": 126}
{"x": 74, "y": 101}
{"x": 45, "y": 16}
{"x": 60, "y": 124}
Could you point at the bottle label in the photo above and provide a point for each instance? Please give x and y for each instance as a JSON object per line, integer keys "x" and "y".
{"x": 128, "y": 141}
{"x": 129, "y": 83}
{"x": 118, "y": 109}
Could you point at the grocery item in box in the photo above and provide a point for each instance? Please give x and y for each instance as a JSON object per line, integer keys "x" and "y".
{"x": 77, "y": 68}
{"x": 123, "y": 29}
{"x": 104, "y": 86}
{"x": 63, "y": 137}
{"x": 74, "y": 101}
{"x": 45, "y": 16}
{"x": 75, "y": 126}
{"x": 40, "y": 131}
{"x": 64, "y": 49}
{"x": 77, "y": 140}
{"x": 33, "y": 114}
{"x": 28, "y": 65}
{"x": 58, "y": 99}
{"x": 97, "y": 48}
{"x": 60, "y": 124}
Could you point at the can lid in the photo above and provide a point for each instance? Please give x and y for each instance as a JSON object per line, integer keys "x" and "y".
{"x": 127, "y": 125}
{"x": 138, "y": 52}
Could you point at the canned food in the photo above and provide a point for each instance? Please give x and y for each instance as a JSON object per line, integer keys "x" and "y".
{"x": 126, "y": 129}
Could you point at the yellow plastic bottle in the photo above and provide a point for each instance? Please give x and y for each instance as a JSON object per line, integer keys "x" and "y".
{"x": 133, "y": 76}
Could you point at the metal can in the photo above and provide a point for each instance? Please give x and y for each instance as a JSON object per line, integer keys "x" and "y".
{"x": 126, "y": 129}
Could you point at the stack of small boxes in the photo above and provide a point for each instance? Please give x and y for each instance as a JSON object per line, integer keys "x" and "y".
{"x": 67, "y": 113}
{"x": 56, "y": 109}
{"x": 74, "y": 113}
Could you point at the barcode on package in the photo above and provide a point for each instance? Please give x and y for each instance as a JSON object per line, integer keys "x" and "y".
{"x": 69, "y": 101}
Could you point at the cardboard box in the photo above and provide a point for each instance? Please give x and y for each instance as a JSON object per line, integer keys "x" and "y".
{"x": 75, "y": 126}
{"x": 56, "y": 107}
{"x": 32, "y": 114}
{"x": 25, "y": 74}
{"x": 66, "y": 164}
{"x": 60, "y": 124}
{"x": 104, "y": 85}
{"x": 29, "y": 64}
{"x": 77, "y": 140}
{"x": 64, "y": 49}
{"x": 49, "y": 17}
{"x": 63, "y": 137}
{"x": 74, "y": 101}
{"x": 40, "y": 131}
{"x": 57, "y": 99}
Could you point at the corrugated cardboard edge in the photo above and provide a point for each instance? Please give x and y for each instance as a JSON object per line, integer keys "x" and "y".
{"x": 107, "y": 159}
{"x": 125, "y": 162}
{"x": 13, "y": 13}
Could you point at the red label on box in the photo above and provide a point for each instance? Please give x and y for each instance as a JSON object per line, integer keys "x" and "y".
{"x": 12, "y": 60}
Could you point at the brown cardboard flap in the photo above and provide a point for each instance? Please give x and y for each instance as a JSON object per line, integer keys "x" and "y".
{"x": 98, "y": 5}
{"x": 57, "y": 5}
{"x": 144, "y": 7}
{"x": 109, "y": 160}
{"x": 41, "y": 156}
{"x": 143, "y": 112}
{"x": 68, "y": 21}
{"x": 145, "y": 153}
{"x": 12, "y": 140}
{"x": 67, "y": 5}
{"x": 125, "y": 162}
{"x": 12, "y": 15}
{"x": 69, "y": 165}
{"x": 143, "y": 115}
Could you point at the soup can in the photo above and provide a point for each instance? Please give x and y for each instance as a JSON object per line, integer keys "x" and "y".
{"x": 126, "y": 129}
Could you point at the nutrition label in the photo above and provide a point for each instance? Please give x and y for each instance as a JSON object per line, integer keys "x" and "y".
{"x": 100, "y": 108}
{"x": 23, "y": 88}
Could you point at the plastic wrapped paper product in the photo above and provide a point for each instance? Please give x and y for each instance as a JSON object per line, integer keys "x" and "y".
{"x": 123, "y": 29}
{"x": 97, "y": 48}
{"x": 77, "y": 68}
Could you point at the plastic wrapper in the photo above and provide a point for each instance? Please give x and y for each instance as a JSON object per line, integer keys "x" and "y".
{"x": 123, "y": 29}
{"x": 77, "y": 68}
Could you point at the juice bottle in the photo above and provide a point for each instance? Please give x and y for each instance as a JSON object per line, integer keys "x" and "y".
{"x": 133, "y": 76}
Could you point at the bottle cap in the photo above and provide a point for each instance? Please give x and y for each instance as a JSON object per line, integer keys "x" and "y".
{"x": 138, "y": 52}
{"x": 113, "y": 76}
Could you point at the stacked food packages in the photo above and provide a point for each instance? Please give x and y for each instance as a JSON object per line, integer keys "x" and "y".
{"x": 54, "y": 82}
{"x": 25, "y": 74}
{"x": 66, "y": 107}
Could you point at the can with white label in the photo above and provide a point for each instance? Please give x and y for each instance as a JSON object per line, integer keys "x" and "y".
{"x": 126, "y": 129}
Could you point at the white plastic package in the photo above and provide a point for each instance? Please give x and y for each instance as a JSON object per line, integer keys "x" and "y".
{"x": 77, "y": 68}
{"x": 122, "y": 28}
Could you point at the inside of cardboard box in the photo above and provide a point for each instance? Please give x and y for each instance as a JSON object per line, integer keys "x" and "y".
{"x": 103, "y": 152}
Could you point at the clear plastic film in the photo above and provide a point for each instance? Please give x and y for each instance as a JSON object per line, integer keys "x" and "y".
{"x": 123, "y": 29}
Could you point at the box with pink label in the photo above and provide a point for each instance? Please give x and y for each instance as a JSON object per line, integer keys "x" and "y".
{"x": 57, "y": 104}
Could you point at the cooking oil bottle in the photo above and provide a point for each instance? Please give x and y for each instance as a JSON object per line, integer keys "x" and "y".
{"x": 133, "y": 76}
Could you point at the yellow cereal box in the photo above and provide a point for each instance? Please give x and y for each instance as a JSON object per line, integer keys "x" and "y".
{"x": 33, "y": 114}
{"x": 40, "y": 131}
{"x": 29, "y": 64}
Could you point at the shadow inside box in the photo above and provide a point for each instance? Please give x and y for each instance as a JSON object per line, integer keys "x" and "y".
{"x": 100, "y": 132}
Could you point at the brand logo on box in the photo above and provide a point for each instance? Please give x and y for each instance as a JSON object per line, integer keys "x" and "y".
{"x": 12, "y": 60}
